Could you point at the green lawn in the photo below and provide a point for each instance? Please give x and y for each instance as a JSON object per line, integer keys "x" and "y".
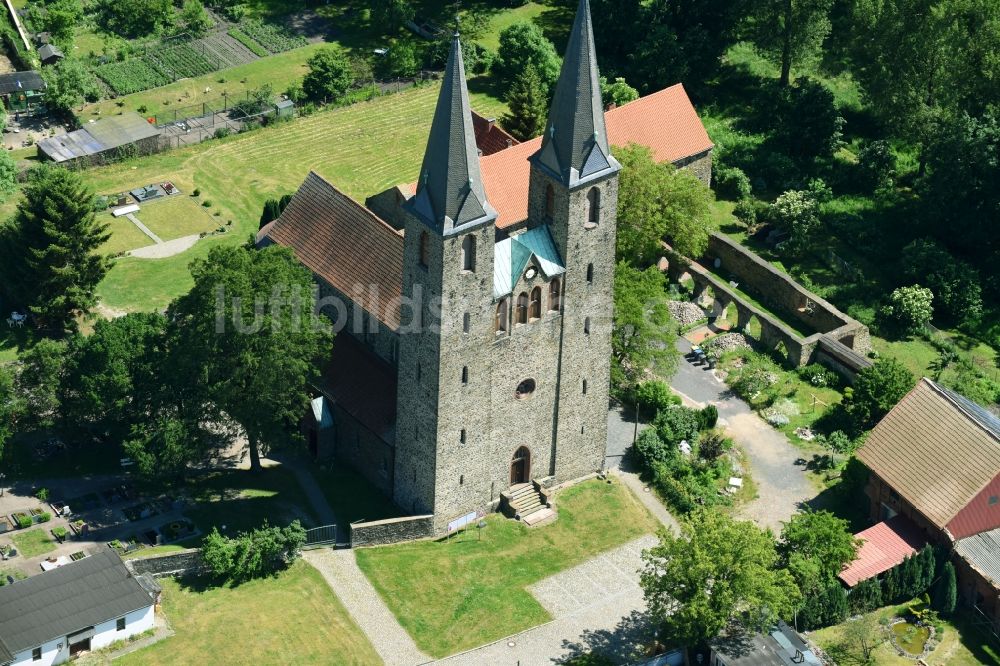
{"x": 962, "y": 644}
{"x": 34, "y": 542}
{"x": 178, "y": 216}
{"x": 242, "y": 500}
{"x": 351, "y": 496}
{"x": 526, "y": 13}
{"x": 292, "y": 618}
{"x": 451, "y": 595}
{"x": 125, "y": 236}
{"x": 363, "y": 149}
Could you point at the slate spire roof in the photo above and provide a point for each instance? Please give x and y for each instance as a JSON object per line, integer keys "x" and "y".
{"x": 450, "y": 190}
{"x": 575, "y": 143}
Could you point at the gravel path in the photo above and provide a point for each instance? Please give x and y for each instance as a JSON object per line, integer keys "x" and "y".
{"x": 347, "y": 581}
{"x": 777, "y": 465}
{"x": 165, "y": 249}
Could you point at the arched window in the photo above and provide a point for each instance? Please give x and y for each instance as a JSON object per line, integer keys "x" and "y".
{"x": 590, "y": 273}
{"x": 465, "y": 374}
{"x": 586, "y": 326}
{"x": 521, "y": 316}
{"x": 424, "y": 250}
{"x": 536, "y": 303}
{"x": 469, "y": 253}
{"x": 500, "y": 322}
{"x": 550, "y": 201}
{"x": 555, "y": 294}
{"x": 593, "y": 207}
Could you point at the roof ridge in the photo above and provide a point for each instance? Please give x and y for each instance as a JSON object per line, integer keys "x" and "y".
{"x": 951, "y": 396}
{"x": 356, "y": 203}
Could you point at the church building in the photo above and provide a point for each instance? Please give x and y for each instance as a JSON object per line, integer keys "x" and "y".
{"x": 474, "y": 323}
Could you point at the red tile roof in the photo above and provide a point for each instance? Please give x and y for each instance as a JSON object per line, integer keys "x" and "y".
{"x": 361, "y": 384}
{"x": 886, "y": 544}
{"x": 665, "y": 121}
{"x": 490, "y": 137}
{"x": 343, "y": 243}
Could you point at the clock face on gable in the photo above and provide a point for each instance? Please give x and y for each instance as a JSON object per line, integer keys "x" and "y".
{"x": 530, "y": 273}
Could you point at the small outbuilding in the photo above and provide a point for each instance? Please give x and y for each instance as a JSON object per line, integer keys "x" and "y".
{"x": 82, "y": 606}
{"x": 20, "y": 90}
{"x": 102, "y": 141}
{"x": 50, "y": 54}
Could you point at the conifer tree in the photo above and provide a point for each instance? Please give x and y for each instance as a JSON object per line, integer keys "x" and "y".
{"x": 946, "y": 592}
{"x": 528, "y": 103}
{"x": 50, "y": 252}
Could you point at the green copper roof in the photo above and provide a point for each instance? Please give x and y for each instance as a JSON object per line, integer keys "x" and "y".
{"x": 512, "y": 256}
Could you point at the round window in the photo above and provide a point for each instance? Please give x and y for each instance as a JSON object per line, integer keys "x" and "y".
{"x": 525, "y": 389}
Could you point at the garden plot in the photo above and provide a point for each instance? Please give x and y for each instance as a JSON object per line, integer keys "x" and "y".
{"x": 180, "y": 61}
{"x": 168, "y": 219}
{"x": 228, "y": 52}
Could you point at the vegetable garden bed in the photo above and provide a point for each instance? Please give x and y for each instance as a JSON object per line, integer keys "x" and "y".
{"x": 273, "y": 38}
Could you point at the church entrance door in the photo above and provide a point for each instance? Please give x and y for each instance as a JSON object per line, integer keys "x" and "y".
{"x": 520, "y": 466}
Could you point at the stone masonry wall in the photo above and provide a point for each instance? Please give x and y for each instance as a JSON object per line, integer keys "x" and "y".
{"x": 700, "y": 165}
{"x": 392, "y": 530}
{"x": 363, "y": 450}
{"x": 171, "y": 564}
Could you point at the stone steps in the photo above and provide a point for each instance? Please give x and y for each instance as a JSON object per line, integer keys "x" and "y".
{"x": 525, "y": 500}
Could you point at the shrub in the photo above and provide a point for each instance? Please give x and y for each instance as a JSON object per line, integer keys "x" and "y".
{"x": 44, "y": 517}
{"x": 24, "y": 521}
{"x": 731, "y": 183}
{"x": 909, "y": 308}
{"x": 255, "y": 553}
{"x": 796, "y": 213}
{"x": 59, "y": 532}
{"x": 876, "y": 165}
{"x": 746, "y": 212}
{"x": 708, "y": 417}
{"x": 42, "y": 494}
{"x": 677, "y": 423}
{"x": 650, "y": 450}
{"x": 196, "y": 192}
{"x": 206, "y": 203}
{"x": 818, "y": 375}
{"x": 713, "y": 444}
{"x": 654, "y": 396}
{"x": 876, "y": 390}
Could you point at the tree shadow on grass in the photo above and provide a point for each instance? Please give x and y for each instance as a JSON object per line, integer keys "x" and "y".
{"x": 623, "y": 644}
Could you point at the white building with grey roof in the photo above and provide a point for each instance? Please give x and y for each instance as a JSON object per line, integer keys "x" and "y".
{"x": 80, "y": 607}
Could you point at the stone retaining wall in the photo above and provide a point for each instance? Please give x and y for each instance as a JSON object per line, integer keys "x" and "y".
{"x": 170, "y": 564}
{"x": 391, "y": 530}
{"x": 781, "y": 293}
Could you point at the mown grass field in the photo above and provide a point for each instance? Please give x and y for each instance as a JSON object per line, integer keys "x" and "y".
{"x": 169, "y": 219}
{"x": 452, "y": 595}
{"x": 33, "y": 542}
{"x": 292, "y": 618}
{"x": 363, "y": 149}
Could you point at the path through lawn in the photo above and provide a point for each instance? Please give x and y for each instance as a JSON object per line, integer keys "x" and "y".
{"x": 456, "y": 594}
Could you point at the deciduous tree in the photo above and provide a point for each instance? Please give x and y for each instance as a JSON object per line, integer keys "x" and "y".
{"x": 617, "y": 92}
{"x": 249, "y": 333}
{"x": 69, "y": 84}
{"x": 655, "y": 201}
{"x": 643, "y": 332}
{"x": 194, "y": 19}
{"x": 790, "y": 31}
{"x": 133, "y": 18}
{"x": 716, "y": 572}
{"x": 391, "y": 15}
{"x": 877, "y": 389}
{"x": 524, "y": 44}
{"x": 330, "y": 76}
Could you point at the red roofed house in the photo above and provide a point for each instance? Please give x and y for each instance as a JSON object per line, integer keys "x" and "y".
{"x": 935, "y": 477}
{"x": 473, "y": 309}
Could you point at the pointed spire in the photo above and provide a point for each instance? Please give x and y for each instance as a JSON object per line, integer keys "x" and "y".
{"x": 575, "y": 143}
{"x": 450, "y": 189}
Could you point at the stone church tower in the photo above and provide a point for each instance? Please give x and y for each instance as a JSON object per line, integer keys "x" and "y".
{"x": 505, "y": 338}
